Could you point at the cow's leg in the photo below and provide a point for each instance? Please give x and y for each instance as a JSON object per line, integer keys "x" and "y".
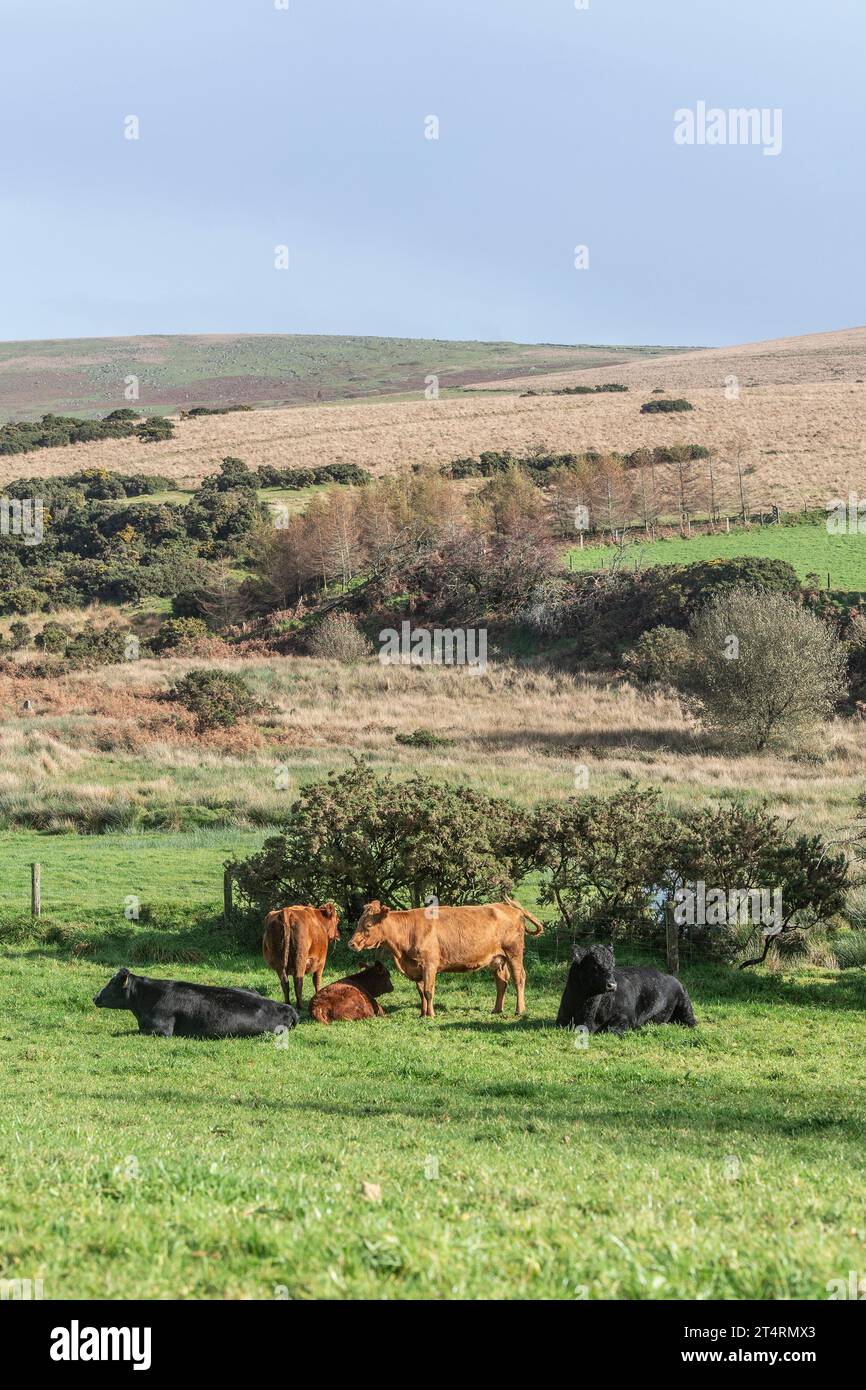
{"x": 428, "y": 983}
{"x": 317, "y": 979}
{"x": 299, "y": 990}
{"x": 420, "y": 989}
{"x": 518, "y": 975}
{"x": 284, "y": 985}
{"x": 500, "y": 975}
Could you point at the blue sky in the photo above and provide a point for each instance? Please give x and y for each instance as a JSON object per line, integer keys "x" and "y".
{"x": 305, "y": 127}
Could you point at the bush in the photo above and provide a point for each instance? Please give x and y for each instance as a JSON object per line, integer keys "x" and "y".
{"x": 615, "y": 865}
{"x": 20, "y": 634}
{"x": 94, "y": 646}
{"x": 763, "y": 666}
{"x": 218, "y": 699}
{"x": 54, "y": 638}
{"x": 665, "y": 407}
{"x": 423, "y": 738}
{"x": 233, "y": 474}
{"x": 662, "y": 654}
{"x": 359, "y": 835}
{"x": 155, "y": 429}
{"x": 180, "y": 634}
{"x": 338, "y": 638}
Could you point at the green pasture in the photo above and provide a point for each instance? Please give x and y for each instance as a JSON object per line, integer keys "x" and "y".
{"x": 463, "y": 1157}
{"x": 809, "y": 548}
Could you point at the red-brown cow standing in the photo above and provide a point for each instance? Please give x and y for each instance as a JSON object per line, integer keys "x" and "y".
{"x": 296, "y": 942}
{"x": 428, "y": 940}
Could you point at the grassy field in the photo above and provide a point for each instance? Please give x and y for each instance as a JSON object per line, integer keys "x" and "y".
{"x": 724, "y": 1163}
{"x": 809, "y": 548}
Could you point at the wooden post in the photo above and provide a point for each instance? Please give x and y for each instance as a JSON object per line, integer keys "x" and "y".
{"x": 228, "y": 904}
{"x": 35, "y": 890}
{"x": 672, "y": 944}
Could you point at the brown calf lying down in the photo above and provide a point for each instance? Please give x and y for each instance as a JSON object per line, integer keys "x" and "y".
{"x": 296, "y": 943}
{"x": 353, "y": 997}
{"x": 432, "y": 939}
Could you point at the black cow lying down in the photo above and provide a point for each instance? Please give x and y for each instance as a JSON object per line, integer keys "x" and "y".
{"x": 167, "y": 1008}
{"x": 605, "y": 998}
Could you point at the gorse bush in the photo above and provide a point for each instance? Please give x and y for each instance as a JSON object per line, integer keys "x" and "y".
{"x": 55, "y": 431}
{"x": 218, "y": 699}
{"x": 360, "y": 835}
{"x": 611, "y": 865}
{"x": 665, "y": 407}
{"x": 178, "y": 635}
{"x": 662, "y": 654}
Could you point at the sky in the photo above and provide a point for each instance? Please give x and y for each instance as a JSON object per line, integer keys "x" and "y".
{"x": 306, "y": 127}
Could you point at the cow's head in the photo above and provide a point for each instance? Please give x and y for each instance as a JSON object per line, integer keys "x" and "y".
{"x": 368, "y": 932}
{"x": 595, "y": 969}
{"x": 376, "y": 979}
{"x": 115, "y": 995}
{"x": 328, "y": 913}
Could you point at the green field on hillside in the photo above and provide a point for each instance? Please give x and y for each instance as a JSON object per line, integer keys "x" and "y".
{"x": 809, "y": 548}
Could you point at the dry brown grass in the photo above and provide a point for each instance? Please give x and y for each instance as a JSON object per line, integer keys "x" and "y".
{"x": 513, "y": 730}
{"x": 802, "y": 437}
{"x": 838, "y": 357}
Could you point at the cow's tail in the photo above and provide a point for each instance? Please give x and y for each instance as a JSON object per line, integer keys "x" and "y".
{"x": 528, "y": 916}
{"x": 297, "y": 945}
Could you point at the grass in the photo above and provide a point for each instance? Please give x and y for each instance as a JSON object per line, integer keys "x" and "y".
{"x": 809, "y": 548}
{"x": 96, "y": 750}
{"x": 724, "y": 1163}
{"x": 86, "y": 873}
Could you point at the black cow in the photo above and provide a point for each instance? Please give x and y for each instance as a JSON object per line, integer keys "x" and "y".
{"x": 605, "y": 998}
{"x": 167, "y": 1008}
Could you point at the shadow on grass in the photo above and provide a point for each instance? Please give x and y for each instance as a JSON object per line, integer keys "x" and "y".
{"x": 668, "y": 1112}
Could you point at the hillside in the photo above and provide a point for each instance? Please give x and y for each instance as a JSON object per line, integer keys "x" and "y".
{"x": 797, "y": 439}
{"x": 814, "y": 357}
{"x": 86, "y": 375}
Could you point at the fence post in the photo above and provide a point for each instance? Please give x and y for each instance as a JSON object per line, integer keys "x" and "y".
{"x": 35, "y": 890}
{"x": 228, "y": 904}
{"x": 672, "y": 945}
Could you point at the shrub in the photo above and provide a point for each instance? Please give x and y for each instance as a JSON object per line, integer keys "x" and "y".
{"x": 94, "y": 646}
{"x": 53, "y": 638}
{"x": 359, "y": 835}
{"x": 20, "y": 634}
{"x": 661, "y": 654}
{"x": 154, "y": 429}
{"x": 665, "y": 407}
{"x": 763, "y": 666}
{"x": 423, "y": 738}
{"x": 233, "y": 473}
{"x": 338, "y": 638}
{"x": 180, "y": 634}
{"x": 218, "y": 699}
{"x": 616, "y": 865}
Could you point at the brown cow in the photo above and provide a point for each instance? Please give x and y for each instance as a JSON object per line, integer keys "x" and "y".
{"x": 353, "y": 997}
{"x": 432, "y": 939}
{"x": 296, "y": 943}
